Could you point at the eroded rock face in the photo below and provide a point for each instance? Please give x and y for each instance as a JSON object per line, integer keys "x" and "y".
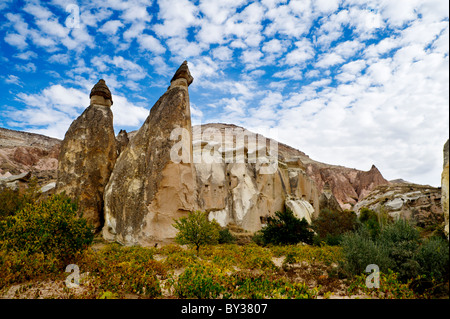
{"x": 87, "y": 157}
{"x": 421, "y": 203}
{"x": 237, "y": 188}
{"x": 27, "y": 152}
{"x": 444, "y": 188}
{"x": 147, "y": 189}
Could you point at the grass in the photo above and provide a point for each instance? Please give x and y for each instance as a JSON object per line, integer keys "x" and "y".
{"x": 174, "y": 271}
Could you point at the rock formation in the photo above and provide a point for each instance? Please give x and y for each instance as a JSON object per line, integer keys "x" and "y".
{"x": 22, "y": 152}
{"x": 243, "y": 182}
{"x": 88, "y": 154}
{"x": 148, "y": 189}
{"x": 421, "y": 203}
{"x": 444, "y": 188}
{"x": 134, "y": 185}
{"x": 327, "y": 199}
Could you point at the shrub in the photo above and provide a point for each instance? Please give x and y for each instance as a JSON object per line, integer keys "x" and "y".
{"x": 196, "y": 230}
{"x": 225, "y": 237}
{"x": 250, "y": 285}
{"x": 359, "y": 250}
{"x": 331, "y": 225}
{"x": 18, "y": 266}
{"x": 390, "y": 287}
{"x": 51, "y": 227}
{"x": 402, "y": 241}
{"x": 202, "y": 281}
{"x": 13, "y": 200}
{"x": 398, "y": 247}
{"x": 286, "y": 229}
{"x": 115, "y": 270}
{"x": 433, "y": 258}
{"x": 369, "y": 218}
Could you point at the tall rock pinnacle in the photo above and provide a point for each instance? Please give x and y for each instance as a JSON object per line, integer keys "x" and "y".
{"x": 183, "y": 73}
{"x": 100, "y": 94}
{"x": 87, "y": 156}
{"x": 147, "y": 190}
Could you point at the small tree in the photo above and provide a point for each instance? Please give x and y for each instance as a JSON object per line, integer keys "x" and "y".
{"x": 286, "y": 229}
{"x": 196, "y": 230}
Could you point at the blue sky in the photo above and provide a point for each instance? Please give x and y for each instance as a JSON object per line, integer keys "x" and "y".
{"x": 351, "y": 83}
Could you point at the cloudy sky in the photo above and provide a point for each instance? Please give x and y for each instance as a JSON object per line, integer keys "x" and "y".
{"x": 351, "y": 83}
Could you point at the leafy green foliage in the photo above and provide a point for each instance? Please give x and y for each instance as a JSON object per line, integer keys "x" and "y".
{"x": 13, "y": 200}
{"x": 433, "y": 258}
{"x": 51, "y": 227}
{"x": 390, "y": 287}
{"x": 225, "y": 237}
{"x": 196, "y": 230}
{"x": 331, "y": 225}
{"x": 117, "y": 270}
{"x": 18, "y": 266}
{"x": 286, "y": 229}
{"x": 397, "y": 247}
{"x": 201, "y": 280}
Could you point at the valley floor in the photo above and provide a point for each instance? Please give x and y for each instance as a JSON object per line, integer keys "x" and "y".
{"x": 110, "y": 271}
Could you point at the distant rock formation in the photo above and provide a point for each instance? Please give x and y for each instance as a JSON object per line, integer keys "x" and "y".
{"x": 88, "y": 154}
{"x": 347, "y": 185}
{"x": 147, "y": 190}
{"x": 22, "y": 152}
{"x": 444, "y": 188}
{"x": 328, "y": 201}
{"x": 421, "y": 203}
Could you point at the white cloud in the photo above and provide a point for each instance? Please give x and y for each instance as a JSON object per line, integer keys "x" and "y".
{"x": 291, "y": 73}
{"x": 251, "y": 59}
{"x": 222, "y": 53}
{"x": 329, "y": 59}
{"x": 30, "y": 67}
{"x": 177, "y": 17}
{"x": 16, "y": 40}
{"x": 150, "y": 43}
{"x": 60, "y": 58}
{"x": 301, "y": 54}
{"x": 111, "y": 27}
{"x": 27, "y": 55}
{"x": 13, "y": 79}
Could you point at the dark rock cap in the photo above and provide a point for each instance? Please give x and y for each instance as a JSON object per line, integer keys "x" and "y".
{"x": 101, "y": 89}
{"x": 183, "y": 72}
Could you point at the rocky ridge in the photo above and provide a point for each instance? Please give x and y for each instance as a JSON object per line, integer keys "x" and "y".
{"x": 140, "y": 188}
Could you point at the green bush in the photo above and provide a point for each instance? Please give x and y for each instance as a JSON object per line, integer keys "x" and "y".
{"x": 201, "y": 280}
{"x": 390, "y": 287}
{"x": 359, "y": 250}
{"x": 13, "y": 200}
{"x": 402, "y": 241}
{"x": 196, "y": 230}
{"x": 433, "y": 258}
{"x": 286, "y": 229}
{"x": 369, "y": 218}
{"x": 331, "y": 225}
{"x": 18, "y": 267}
{"x": 51, "y": 227}
{"x": 116, "y": 270}
{"x": 397, "y": 247}
{"x": 225, "y": 237}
